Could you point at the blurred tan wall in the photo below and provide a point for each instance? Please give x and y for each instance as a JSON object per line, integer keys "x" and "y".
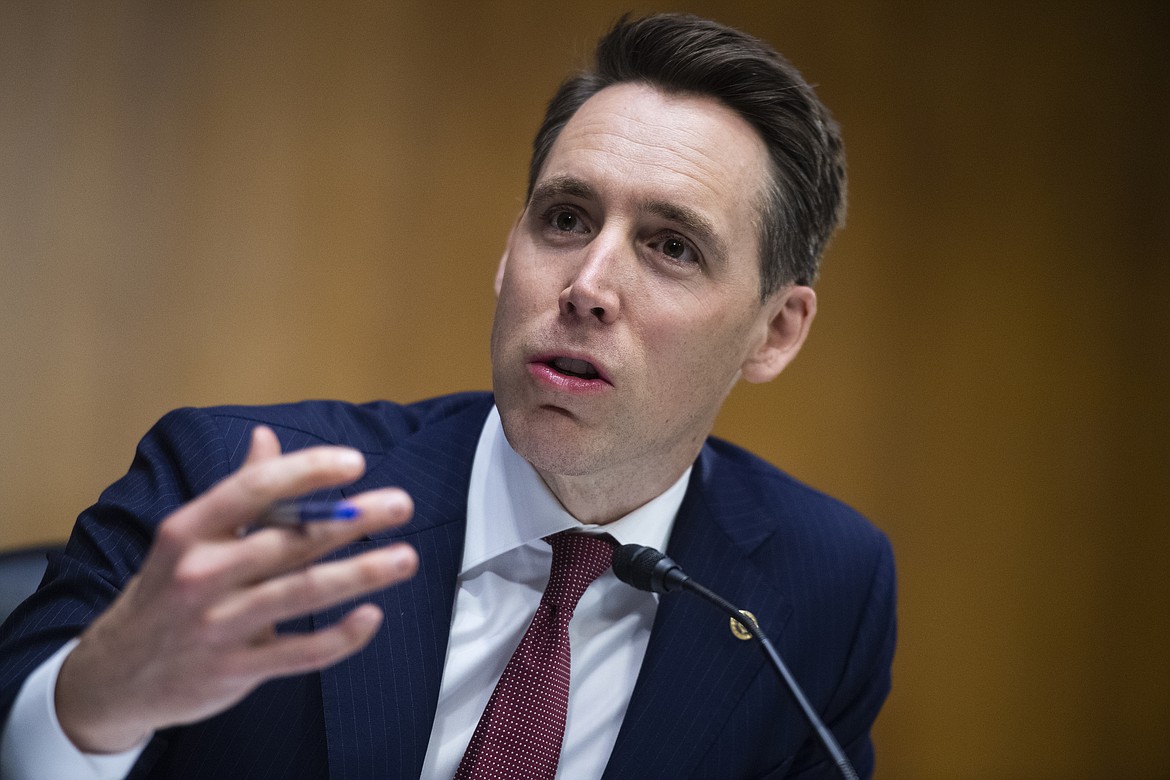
{"x": 239, "y": 202}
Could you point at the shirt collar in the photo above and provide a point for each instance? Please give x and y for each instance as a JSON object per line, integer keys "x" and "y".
{"x": 508, "y": 498}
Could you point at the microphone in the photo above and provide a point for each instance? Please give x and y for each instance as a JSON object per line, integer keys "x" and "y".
{"x": 648, "y": 569}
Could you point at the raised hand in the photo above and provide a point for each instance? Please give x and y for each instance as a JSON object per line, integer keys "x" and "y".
{"x": 194, "y": 630}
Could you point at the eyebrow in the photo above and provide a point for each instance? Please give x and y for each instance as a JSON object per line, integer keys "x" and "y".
{"x": 691, "y": 221}
{"x": 562, "y": 185}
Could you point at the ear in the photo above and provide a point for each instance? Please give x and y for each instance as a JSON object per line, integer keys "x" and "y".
{"x": 785, "y": 319}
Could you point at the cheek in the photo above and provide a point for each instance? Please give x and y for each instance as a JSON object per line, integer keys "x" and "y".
{"x": 526, "y": 284}
{"x": 520, "y": 308}
{"x": 512, "y": 299}
{"x": 506, "y": 316}
{"x": 710, "y": 353}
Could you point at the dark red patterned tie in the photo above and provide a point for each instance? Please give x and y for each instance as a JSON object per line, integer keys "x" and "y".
{"x": 520, "y": 732}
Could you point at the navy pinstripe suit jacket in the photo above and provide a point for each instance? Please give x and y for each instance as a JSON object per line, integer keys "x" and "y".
{"x": 818, "y": 577}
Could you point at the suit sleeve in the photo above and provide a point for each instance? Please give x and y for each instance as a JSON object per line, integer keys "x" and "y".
{"x": 182, "y": 456}
{"x": 865, "y": 681}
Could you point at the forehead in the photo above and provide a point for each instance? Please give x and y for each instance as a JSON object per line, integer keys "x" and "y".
{"x": 635, "y": 144}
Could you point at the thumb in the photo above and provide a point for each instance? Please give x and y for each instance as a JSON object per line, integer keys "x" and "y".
{"x": 264, "y": 445}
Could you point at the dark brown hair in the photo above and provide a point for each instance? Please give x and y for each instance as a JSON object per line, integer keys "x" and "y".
{"x": 678, "y": 53}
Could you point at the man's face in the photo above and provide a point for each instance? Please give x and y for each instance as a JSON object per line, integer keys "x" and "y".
{"x": 629, "y": 295}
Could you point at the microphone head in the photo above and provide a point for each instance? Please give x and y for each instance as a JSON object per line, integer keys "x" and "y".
{"x": 634, "y": 565}
{"x": 647, "y": 569}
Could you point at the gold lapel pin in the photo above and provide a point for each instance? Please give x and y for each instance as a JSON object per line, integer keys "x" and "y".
{"x": 738, "y": 629}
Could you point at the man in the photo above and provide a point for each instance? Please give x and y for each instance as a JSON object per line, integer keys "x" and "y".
{"x": 679, "y": 199}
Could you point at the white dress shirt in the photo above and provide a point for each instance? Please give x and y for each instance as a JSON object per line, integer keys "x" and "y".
{"x": 504, "y": 571}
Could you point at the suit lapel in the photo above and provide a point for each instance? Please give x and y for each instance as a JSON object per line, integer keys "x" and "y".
{"x": 695, "y": 672}
{"x": 380, "y": 703}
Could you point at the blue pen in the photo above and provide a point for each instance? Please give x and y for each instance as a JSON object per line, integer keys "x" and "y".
{"x": 293, "y": 513}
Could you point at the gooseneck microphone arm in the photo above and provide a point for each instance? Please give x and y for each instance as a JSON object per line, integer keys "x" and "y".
{"x": 648, "y": 569}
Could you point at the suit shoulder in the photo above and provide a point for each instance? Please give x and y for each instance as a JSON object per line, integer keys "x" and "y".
{"x": 783, "y": 506}
{"x": 373, "y": 427}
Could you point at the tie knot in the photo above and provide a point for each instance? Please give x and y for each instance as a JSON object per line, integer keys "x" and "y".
{"x": 578, "y": 559}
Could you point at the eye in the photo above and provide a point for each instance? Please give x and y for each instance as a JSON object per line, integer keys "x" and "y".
{"x": 565, "y": 221}
{"x": 562, "y": 224}
{"x": 673, "y": 247}
{"x": 678, "y": 249}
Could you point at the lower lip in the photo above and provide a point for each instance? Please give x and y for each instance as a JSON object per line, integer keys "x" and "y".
{"x": 549, "y": 377}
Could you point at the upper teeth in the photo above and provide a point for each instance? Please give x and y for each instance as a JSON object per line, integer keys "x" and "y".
{"x": 573, "y": 366}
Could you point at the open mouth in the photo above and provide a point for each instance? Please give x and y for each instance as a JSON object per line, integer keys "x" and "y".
{"x": 581, "y": 369}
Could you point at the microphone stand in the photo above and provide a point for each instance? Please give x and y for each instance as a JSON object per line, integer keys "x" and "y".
{"x": 826, "y": 736}
{"x": 648, "y": 569}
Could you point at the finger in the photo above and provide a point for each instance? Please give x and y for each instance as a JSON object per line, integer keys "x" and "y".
{"x": 264, "y": 445}
{"x": 243, "y": 495}
{"x": 300, "y": 653}
{"x": 310, "y": 590}
{"x": 274, "y": 551}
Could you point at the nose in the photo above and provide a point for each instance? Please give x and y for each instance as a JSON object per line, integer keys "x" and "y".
{"x": 594, "y": 290}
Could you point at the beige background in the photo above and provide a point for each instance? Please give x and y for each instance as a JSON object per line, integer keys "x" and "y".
{"x": 221, "y": 202}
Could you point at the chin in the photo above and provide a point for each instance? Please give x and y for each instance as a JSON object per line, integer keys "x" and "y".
{"x": 563, "y": 464}
{"x": 550, "y": 441}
